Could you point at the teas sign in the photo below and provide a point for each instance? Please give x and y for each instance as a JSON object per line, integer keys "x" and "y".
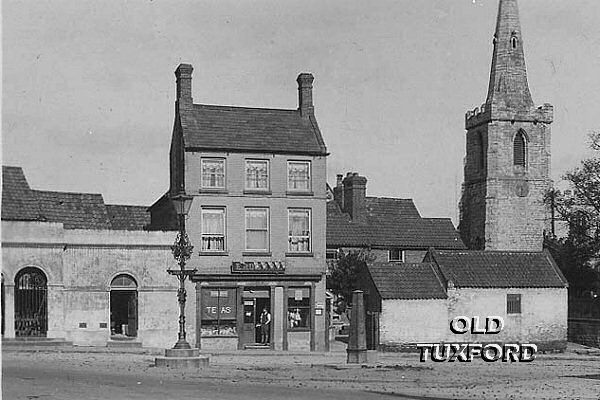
{"x": 218, "y": 304}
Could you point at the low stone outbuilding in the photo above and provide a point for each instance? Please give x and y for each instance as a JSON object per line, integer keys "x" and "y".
{"x": 414, "y": 303}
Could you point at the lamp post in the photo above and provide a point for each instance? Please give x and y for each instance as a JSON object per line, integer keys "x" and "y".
{"x": 182, "y": 251}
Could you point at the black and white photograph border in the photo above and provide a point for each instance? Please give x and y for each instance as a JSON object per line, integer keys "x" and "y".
{"x": 185, "y": 212}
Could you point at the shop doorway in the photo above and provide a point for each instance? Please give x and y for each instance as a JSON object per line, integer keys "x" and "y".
{"x": 123, "y": 307}
{"x": 31, "y": 303}
{"x": 255, "y": 300}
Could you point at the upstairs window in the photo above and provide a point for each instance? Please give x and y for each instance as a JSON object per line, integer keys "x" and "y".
{"x": 213, "y": 173}
{"x": 299, "y": 175}
{"x": 513, "y": 304}
{"x": 257, "y": 229}
{"x": 213, "y": 229}
{"x": 519, "y": 149}
{"x": 257, "y": 174}
{"x": 396, "y": 255}
{"x": 299, "y": 230}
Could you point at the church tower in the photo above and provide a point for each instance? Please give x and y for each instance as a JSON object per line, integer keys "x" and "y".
{"x": 507, "y": 164}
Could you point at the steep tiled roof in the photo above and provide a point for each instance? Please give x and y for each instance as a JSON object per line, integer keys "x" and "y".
{"x": 250, "y": 129}
{"x": 130, "y": 218}
{"x": 74, "y": 210}
{"x": 498, "y": 269}
{"x": 18, "y": 200}
{"x": 407, "y": 281}
{"x": 341, "y": 231}
{"x": 390, "y": 222}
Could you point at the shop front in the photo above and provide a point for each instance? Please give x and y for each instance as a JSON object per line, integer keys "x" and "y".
{"x": 258, "y": 305}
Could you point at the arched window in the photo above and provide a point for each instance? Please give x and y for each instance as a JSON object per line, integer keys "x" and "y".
{"x": 519, "y": 149}
{"x": 514, "y": 41}
{"x": 123, "y": 281}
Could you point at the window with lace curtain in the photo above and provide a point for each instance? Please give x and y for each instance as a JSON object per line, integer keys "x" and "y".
{"x": 257, "y": 174}
{"x": 257, "y": 229}
{"x": 299, "y": 175}
{"x": 213, "y": 229}
{"x": 299, "y": 230}
{"x": 213, "y": 173}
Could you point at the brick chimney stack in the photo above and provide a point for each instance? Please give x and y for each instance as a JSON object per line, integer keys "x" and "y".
{"x": 305, "y": 100}
{"x": 183, "y": 73}
{"x": 338, "y": 191}
{"x": 355, "y": 193}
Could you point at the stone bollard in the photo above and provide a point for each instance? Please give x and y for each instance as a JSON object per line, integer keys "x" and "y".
{"x": 357, "y": 338}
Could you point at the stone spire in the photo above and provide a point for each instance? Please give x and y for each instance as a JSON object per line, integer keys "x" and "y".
{"x": 508, "y": 86}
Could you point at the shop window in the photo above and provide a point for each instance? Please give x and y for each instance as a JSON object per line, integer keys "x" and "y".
{"x": 213, "y": 229}
{"x": 299, "y": 230}
{"x": 218, "y": 312}
{"x": 213, "y": 173}
{"x": 257, "y": 174}
{"x": 298, "y": 308}
{"x": 257, "y": 229}
{"x": 513, "y": 304}
{"x": 299, "y": 175}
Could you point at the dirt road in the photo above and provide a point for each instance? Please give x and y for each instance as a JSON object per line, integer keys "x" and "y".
{"x": 401, "y": 376}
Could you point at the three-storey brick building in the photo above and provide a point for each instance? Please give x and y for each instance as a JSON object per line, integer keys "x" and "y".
{"x": 257, "y": 221}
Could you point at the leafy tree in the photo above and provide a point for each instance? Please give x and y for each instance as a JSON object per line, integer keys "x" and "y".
{"x": 345, "y": 274}
{"x": 579, "y": 207}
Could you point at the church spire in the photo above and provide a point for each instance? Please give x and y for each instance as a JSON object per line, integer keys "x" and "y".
{"x": 508, "y": 86}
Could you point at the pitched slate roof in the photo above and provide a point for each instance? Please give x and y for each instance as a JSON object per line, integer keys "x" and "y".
{"x": 390, "y": 222}
{"x": 407, "y": 281}
{"x": 73, "y": 210}
{"x": 129, "y": 218}
{"x": 250, "y": 129}
{"x": 498, "y": 269}
{"x": 18, "y": 200}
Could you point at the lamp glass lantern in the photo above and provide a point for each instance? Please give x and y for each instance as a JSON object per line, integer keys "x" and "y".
{"x": 182, "y": 203}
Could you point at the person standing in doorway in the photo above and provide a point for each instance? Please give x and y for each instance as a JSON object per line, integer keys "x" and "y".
{"x": 265, "y": 326}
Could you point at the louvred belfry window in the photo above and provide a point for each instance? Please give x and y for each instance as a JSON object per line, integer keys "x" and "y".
{"x": 519, "y": 149}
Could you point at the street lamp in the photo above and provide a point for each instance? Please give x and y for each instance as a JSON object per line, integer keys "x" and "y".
{"x": 182, "y": 251}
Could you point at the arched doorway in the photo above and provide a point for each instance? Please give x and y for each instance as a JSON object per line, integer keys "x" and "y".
{"x": 31, "y": 302}
{"x": 123, "y": 306}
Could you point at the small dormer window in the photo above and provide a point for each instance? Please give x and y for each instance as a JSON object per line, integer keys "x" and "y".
{"x": 396, "y": 255}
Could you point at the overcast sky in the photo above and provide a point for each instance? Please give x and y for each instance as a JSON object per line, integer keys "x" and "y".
{"x": 88, "y": 86}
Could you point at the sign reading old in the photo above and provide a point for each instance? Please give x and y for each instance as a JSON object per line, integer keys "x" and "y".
{"x": 258, "y": 267}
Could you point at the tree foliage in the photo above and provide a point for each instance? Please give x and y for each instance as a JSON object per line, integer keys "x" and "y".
{"x": 345, "y": 274}
{"x": 579, "y": 207}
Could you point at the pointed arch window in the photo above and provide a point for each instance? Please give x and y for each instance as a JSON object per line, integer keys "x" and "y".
{"x": 514, "y": 42}
{"x": 520, "y": 149}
